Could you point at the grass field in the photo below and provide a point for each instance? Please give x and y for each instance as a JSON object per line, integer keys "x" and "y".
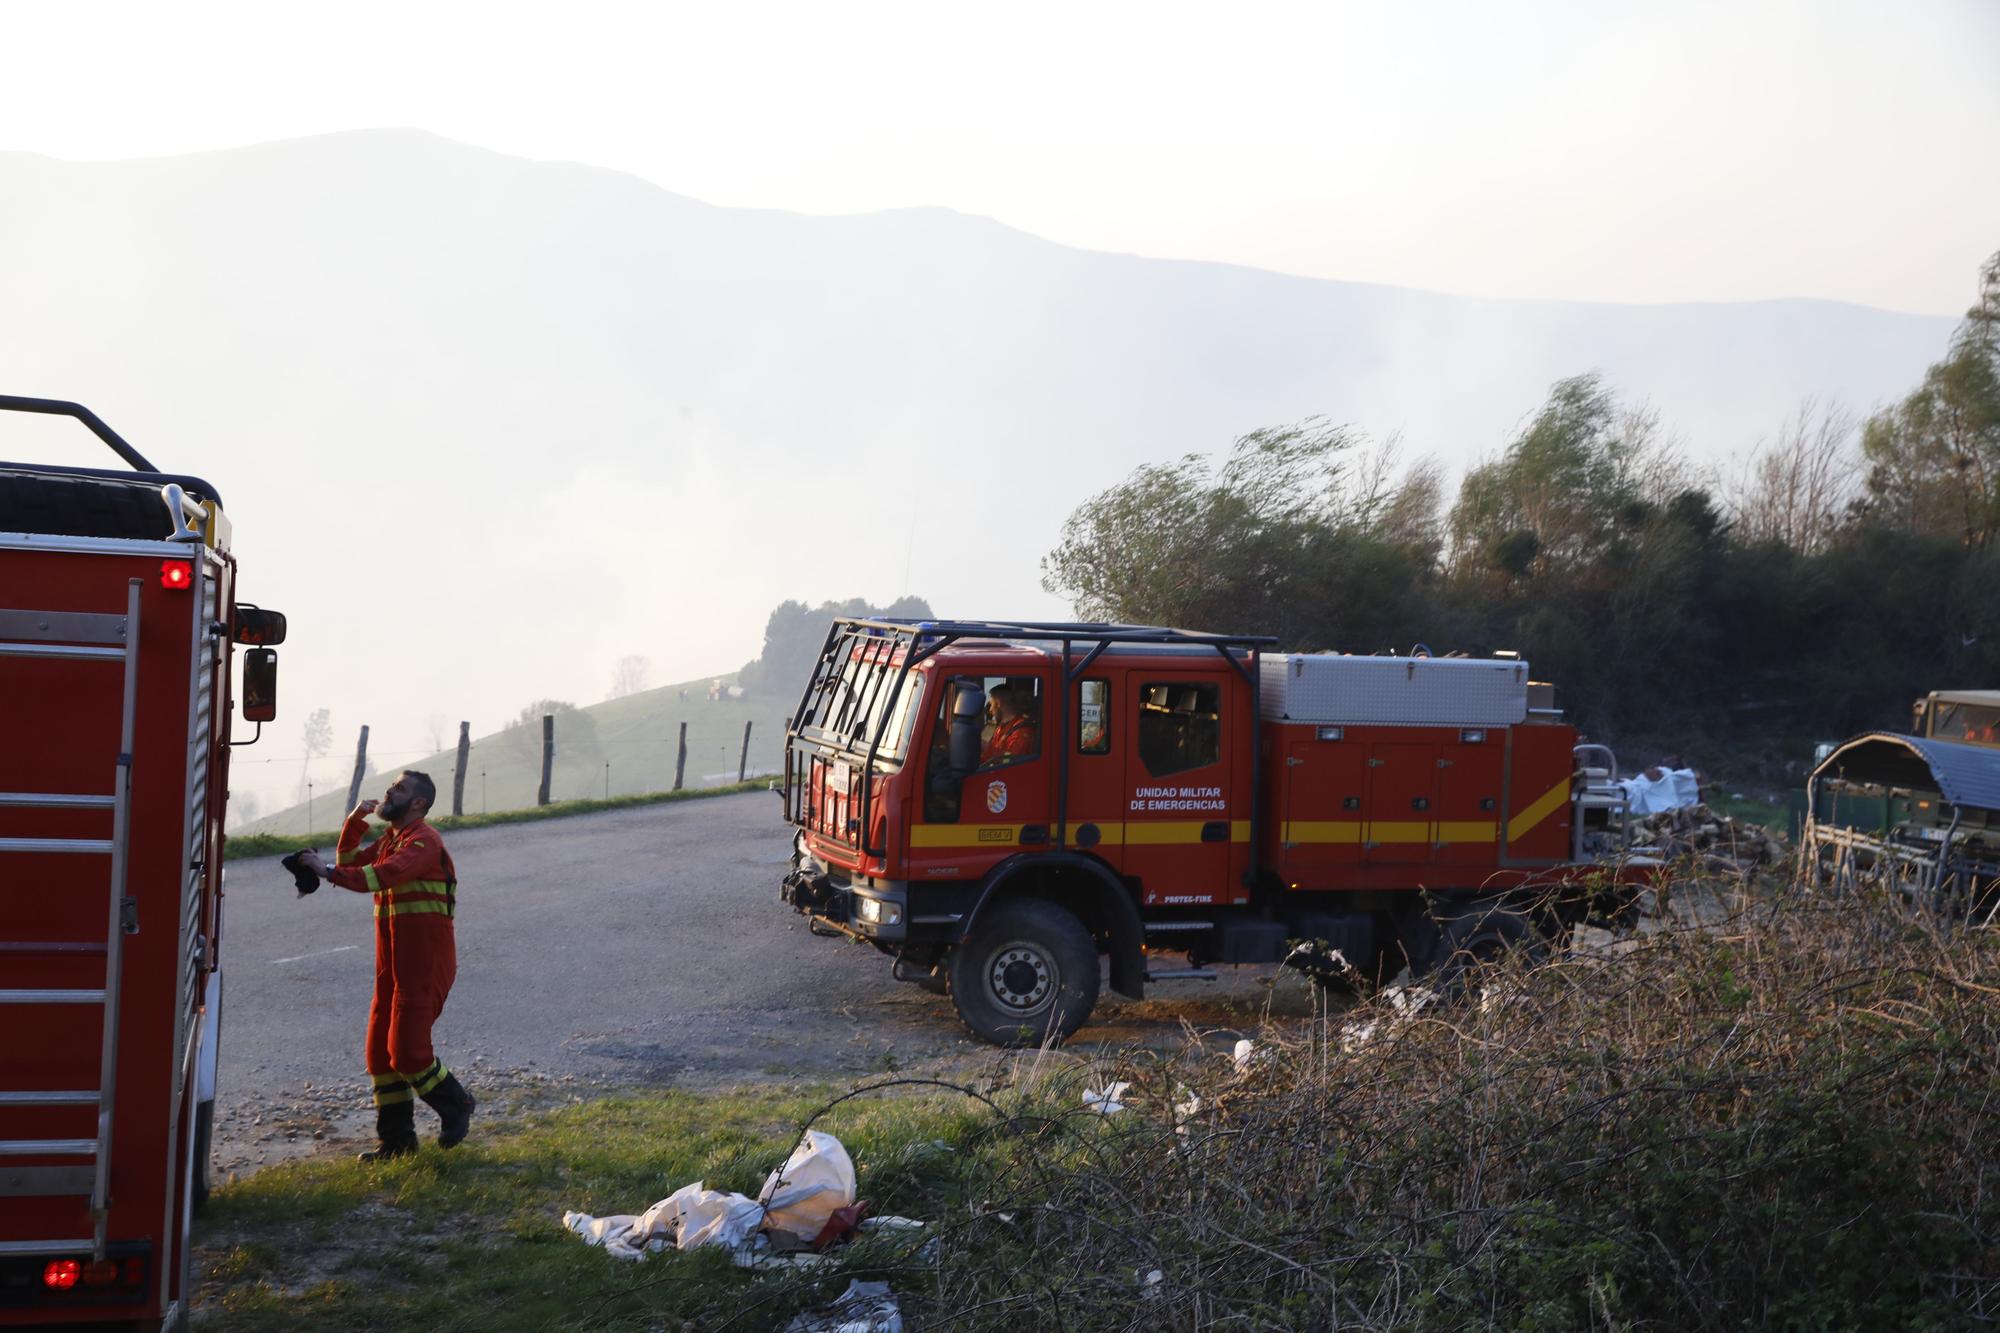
{"x": 473, "y": 1239}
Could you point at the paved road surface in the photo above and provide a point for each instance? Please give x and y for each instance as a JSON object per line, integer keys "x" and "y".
{"x": 641, "y": 947}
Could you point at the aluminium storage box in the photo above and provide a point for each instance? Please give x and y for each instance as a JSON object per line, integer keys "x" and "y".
{"x": 1418, "y": 691}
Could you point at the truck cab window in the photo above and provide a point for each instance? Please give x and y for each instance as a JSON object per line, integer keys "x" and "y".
{"x": 1093, "y": 717}
{"x": 981, "y": 723}
{"x": 1013, "y": 721}
{"x": 1180, "y": 726}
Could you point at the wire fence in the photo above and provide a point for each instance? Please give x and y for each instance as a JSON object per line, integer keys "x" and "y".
{"x": 561, "y": 756}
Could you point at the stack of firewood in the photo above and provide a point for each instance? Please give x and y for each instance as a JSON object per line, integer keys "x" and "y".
{"x": 1719, "y": 842}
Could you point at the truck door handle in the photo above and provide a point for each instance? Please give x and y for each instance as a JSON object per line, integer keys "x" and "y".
{"x": 1215, "y": 830}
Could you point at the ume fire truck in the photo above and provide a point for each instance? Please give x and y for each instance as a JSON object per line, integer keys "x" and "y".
{"x": 118, "y": 613}
{"x": 1159, "y": 790}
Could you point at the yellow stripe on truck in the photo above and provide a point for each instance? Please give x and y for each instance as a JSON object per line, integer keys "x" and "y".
{"x": 1158, "y": 832}
{"x": 1550, "y": 801}
{"x": 1322, "y": 830}
{"x": 964, "y": 835}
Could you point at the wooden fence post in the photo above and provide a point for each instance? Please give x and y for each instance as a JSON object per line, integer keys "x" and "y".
{"x": 458, "y": 774}
{"x": 743, "y": 764}
{"x": 360, "y": 767}
{"x": 681, "y": 759}
{"x": 548, "y": 756}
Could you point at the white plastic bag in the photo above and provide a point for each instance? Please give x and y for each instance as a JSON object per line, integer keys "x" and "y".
{"x": 710, "y": 1217}
{"x": 802, "y": 1194}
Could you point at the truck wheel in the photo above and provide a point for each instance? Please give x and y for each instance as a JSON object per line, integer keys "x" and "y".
{"x": 1028, "y": 974}
{"x": 1475, "y": 940}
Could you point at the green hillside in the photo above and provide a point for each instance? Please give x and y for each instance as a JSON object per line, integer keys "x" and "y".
{"x": 636, "y": 736}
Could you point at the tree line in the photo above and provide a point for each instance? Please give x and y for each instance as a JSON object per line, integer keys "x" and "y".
{"x": 1845, "y": 567}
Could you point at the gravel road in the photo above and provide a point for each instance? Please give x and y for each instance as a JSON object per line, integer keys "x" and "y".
{"x": 634, "y": 948}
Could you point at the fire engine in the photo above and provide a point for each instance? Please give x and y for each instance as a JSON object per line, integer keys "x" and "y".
{"x": 999, "y": 806}
{"x": 118, "y": 616}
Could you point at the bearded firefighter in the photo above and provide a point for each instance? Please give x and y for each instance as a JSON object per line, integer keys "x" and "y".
{"x": 410, "y": 876}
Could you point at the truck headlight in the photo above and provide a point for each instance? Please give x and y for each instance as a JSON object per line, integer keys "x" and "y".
{"x": 876, "y": 912}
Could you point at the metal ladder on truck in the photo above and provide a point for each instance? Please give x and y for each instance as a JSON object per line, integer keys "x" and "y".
{"x": 85, "y": 637}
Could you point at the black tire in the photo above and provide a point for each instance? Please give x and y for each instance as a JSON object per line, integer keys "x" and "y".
{"x": 204, "y": 1135}
{"x": 1474, "y": 942}
{"x": 1027, "y": 975}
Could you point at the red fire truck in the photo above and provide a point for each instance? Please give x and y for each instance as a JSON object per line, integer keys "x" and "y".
{"x": 118, "y": 613}
{"x": 997, "y": 806}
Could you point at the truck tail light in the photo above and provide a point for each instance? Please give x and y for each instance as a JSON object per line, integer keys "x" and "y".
{"x": 61, "y": 1274}
{"x": 176, "y": 574}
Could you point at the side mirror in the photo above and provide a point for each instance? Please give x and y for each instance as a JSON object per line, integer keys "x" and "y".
{"x": 255, "y": 625}
{"x": 260, "y": 682}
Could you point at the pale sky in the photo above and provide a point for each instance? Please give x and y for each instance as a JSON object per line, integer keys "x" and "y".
{"x": 1846, "y": 149}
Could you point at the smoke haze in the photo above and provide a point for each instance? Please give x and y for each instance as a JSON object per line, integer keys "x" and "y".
{"x": 486, "y": 426}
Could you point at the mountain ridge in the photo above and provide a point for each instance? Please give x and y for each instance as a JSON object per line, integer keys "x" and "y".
{"x": 417, "y": 134}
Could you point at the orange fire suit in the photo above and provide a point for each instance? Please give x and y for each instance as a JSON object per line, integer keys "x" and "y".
{"x": 1012, "y": 739}
{"x": 416, "y": 955}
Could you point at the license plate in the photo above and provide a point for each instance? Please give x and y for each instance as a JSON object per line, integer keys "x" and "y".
{"x": 840, "y": 777}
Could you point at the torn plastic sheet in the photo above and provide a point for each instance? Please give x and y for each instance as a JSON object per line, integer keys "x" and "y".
{"x": 1660, "y": 789}
{"x": 1404, "y": 1003}
{"x": 865, "y": 1307}
{"x": 691, "y": 1216}
{"x": 1108, "y": 1100}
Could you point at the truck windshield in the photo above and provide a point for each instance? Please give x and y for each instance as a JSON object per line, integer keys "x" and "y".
{"x": 849, "y": 706}
{"x": 1967, "y": 722}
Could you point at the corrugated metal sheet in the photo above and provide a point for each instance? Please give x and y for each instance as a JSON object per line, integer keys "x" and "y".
{"x": 1967, "y": 775}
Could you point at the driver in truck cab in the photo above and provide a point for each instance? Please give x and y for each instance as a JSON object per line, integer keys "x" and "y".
{"x": 1013, "y": 730}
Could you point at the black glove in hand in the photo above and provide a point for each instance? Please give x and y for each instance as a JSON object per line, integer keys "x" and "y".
{"x": 304, "y": 878}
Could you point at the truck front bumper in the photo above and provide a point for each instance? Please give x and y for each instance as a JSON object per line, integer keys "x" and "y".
{"x": 875, "y": 911}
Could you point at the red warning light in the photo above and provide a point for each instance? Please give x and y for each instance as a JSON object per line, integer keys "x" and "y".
{"x": 176, "y": 574}
{"x": 61, "y": 1274}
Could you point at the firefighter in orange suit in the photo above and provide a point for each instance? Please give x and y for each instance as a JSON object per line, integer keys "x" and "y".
{"x": 410, "y": 875}
{"x": 1013, "y": 730}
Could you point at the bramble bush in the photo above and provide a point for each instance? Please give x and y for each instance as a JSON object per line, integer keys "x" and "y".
{"x": 1782, "y": 1119}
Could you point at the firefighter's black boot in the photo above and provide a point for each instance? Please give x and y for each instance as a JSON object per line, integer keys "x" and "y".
{"x": 454, "y": 1106}
{"x": 395, "y": 1130}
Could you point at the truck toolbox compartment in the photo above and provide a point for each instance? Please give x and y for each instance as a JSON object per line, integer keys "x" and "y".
{"x": 1435, "y": 691}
